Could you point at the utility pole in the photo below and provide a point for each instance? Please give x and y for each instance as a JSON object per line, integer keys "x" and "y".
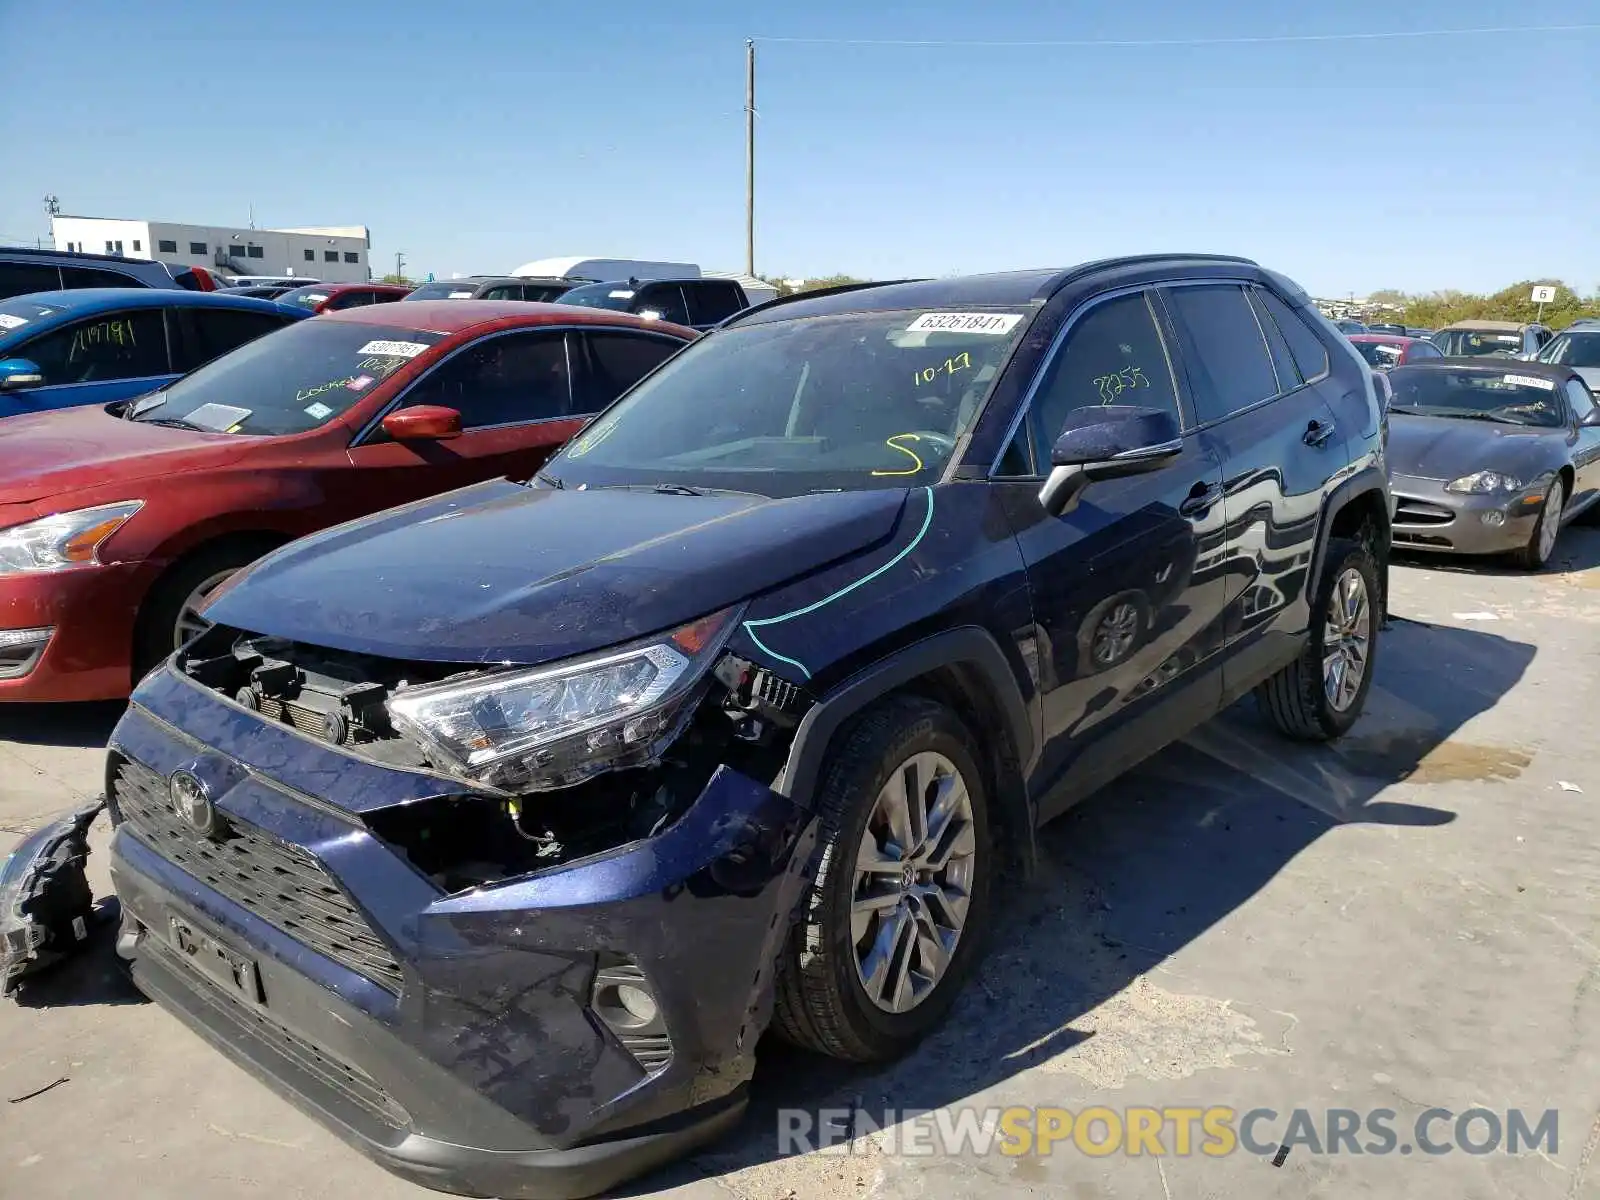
{"x": 399, "y": 265}
{"x": 750, "y": 156}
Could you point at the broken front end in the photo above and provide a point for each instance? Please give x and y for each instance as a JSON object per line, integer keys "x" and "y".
{"x": 509, "y": 931}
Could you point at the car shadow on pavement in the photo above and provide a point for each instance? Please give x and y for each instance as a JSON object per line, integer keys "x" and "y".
{"x": 87, "y": 724}
{"x": 1145, "y": 867}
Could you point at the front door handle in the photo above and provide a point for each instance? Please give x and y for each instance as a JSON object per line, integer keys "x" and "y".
{"x": 1200, "y": 498}
{"x": 1318, "y": 432}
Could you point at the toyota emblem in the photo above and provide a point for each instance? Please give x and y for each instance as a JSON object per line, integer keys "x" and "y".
{"x": 192, "y": 803}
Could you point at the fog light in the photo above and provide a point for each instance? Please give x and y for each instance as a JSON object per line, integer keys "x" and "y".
{"x": 624, "y": 1001}
{"x": 639, "y": 1003}
{"x": 20, "y": 649}
{"x": 1494, "y": 517}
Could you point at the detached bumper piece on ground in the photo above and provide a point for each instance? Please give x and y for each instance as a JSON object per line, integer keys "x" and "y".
{"x": 45, "y": 903}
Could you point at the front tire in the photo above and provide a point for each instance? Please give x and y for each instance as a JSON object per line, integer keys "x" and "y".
{"x": 1318, "y": 697}
{"x": 1542, "y": 542}
{"x": 167, "y": 619}
{"x": 893, "y": 920}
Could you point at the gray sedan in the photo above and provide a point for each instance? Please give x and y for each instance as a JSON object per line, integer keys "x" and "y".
{"x": 1491, "y": 456}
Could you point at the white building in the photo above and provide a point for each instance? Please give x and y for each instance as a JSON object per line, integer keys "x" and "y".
{"x": 330, "y": 254}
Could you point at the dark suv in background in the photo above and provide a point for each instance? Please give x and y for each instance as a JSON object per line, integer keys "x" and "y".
{"x": 742, "y": 709}
{"x": 25, "y": 271}
{"x": 697, "y": 303}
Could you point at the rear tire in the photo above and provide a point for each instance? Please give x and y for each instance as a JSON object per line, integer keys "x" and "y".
{"x": 1318, "y": 697}
{"x": 905, "y": 933}
{"x": 156, "y": 635}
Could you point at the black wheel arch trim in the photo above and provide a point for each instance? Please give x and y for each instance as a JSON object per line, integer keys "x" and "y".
{"x": 1371, "y": 480}
{"x": 968, "y": 646}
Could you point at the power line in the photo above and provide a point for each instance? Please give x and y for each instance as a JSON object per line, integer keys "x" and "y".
{"x": 1143, "y": 43}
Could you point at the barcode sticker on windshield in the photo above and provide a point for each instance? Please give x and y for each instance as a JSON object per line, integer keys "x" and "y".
{"x": 997, "y": 324}
{"x": 461, "y": 295}
{"x": 620, "y": 294}
{"x": 395, "y": 349}
{"x": 1533, "y": 381}
{"x": 7, "y": 321}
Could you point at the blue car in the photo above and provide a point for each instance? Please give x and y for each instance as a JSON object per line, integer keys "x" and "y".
{"x": 101, "y": 345}
{"x": 496, "y": 829}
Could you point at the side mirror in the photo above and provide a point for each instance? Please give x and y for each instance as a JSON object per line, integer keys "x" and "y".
{"x": 424, "y": 423}
{"x": 16, "y": 373}
{"x": 1108, "y": 442}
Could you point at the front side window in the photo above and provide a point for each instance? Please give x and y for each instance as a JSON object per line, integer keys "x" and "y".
{"x": 782, "y": 408}
{"x": 1113, "y": 354}
{"x": 93, "y": 277}
{"x": 661, "y": 302}
{"x": 1224, "y": 350}
{"x": 503, "y": 380}
{"x": 128, "y": 345}
{"x": 19, "y": 279}
{"x": 710, "y": 303}
{"x": 1581, "y": 399}
{"x": 1505, "y": 398}
{"x": 1573, "y": 349}
{"x": 300, "y": 378}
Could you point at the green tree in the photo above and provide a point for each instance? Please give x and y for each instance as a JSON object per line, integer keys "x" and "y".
{"x": 1508, "y": 304}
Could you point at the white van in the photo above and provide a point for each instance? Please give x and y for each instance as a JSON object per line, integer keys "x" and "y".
{"x": 604, "y": 269}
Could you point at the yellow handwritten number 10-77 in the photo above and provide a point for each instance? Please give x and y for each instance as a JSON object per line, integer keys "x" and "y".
{"x": 949, "y": 366}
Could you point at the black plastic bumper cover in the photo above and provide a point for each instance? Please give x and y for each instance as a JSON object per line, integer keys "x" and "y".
{"x": 45, "y": 901}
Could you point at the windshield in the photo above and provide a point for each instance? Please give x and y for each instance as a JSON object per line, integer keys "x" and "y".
{"x": 1382, "y": 355}
{"x": 290, "y": 381}
{"x": 862, "y": 400}
{"x": 444, "y": 289}
{"x": 18, "y": 314}
{"x": 1474, "y": 343}
{"x": 305, "y": 297}
{"x": 1477, "y": 395}
{"x": 615, "y": 296}
{"x": 1573, "y": 349}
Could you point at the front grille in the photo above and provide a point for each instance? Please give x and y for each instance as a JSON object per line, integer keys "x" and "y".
{"x": 279, "y": 882}
{"x": 349, "y": 1081}
{"x": 1421, "y": 512}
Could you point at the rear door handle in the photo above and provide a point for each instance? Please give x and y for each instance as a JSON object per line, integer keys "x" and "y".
{"x": 1200, "y": 498}
{"x": 1318, "y": 432}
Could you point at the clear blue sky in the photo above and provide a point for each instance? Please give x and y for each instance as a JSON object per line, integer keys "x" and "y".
{"x": 477, "y": 135}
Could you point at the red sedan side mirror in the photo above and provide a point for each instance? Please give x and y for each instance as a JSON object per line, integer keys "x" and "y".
{"x": 424, "y": 423}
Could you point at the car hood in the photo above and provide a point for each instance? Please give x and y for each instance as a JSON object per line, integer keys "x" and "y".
{"x": 48, "y": 453}
{"x": 505, "y": 573}
{"x": 1449, "y": 447}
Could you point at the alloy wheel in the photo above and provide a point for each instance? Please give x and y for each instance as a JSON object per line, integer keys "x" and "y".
{"x": 1114, "y": 637}
{"x": 913, "y": 882}
{"x": 190, "y": 623}
{"x": 1550, "y": 521}
{"x": 1346, "y": 640}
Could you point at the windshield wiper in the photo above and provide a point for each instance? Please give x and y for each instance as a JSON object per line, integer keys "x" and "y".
{"x": 178, "y": 423}
{"x": 547, "y": 478}
{"x": 678, "y": 489}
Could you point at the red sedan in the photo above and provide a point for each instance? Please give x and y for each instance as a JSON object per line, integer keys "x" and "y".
{"x": 1385, "y": 350}
{"x": 335, "y": 297}
{"x": 115, "y": 523}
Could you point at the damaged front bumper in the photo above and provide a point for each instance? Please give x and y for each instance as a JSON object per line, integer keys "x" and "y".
{"x": 46, "y": 904}
{"x": 548, "y": 1035}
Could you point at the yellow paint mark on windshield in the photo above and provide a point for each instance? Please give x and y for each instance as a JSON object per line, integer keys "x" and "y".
{"x": 894, "y": 444}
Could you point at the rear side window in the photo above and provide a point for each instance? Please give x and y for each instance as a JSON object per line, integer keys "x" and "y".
{"x": 1310, "y": 355}
{"x": 1282, "y": 359}
{"x": 617, "y": 361}
{"x": 93, "y": 277}
{"x": 1421, "y": 350}
{"x": 18, "y": 279}
{"x": 214, "y": 332}
{"x": 505, "y": 380}
{"x": 1114, "y": 354}
{"x": 1223, "y": 349}
{"x": 711, "y": 302}
{"x": 128, "y": 345}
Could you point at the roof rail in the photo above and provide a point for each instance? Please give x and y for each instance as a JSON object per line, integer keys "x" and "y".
{"x": 1129, "y": 260}
{"x": 837, "y": 289}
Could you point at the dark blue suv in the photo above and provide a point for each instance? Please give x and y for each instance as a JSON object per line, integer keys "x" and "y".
{"x": 497, "y": 829}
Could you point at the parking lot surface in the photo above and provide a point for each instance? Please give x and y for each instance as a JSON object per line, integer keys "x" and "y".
{"x": 1407, "y": 920}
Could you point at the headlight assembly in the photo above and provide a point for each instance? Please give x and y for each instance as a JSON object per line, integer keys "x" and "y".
{"x": 557, "y": 725}
{"x": 62, "y": 541}
{"x": 1484, "y": 483}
